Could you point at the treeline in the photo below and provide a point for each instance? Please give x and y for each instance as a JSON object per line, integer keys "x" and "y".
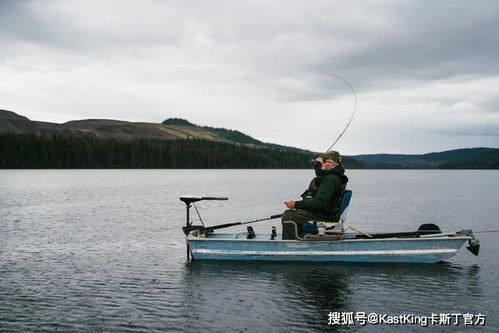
{"x": 486, "y": 160}
{"x": 466, "y": 158}
{"x": 228, "y": 134}
{"x": 31, "y": 151}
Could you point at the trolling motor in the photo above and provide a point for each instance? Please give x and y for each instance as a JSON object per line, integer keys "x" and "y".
{"x": 202, "y": 230}
{"x": 188, "y": 200}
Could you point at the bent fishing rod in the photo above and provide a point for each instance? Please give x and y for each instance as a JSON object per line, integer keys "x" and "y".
{"x": 354, "y": 108}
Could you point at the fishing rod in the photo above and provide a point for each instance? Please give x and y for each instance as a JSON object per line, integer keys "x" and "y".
{"x": 189, "y": 202}
{"x": 190, "y": 228}
{"x": 354, "y": 108}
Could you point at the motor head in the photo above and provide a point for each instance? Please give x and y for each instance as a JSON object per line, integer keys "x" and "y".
{"x": 474, "y": 246}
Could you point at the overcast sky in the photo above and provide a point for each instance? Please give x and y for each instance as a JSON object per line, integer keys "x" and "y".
{"x": 426, "y": 73}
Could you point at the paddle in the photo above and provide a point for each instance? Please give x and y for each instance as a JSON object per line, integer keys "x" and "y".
{"x": 188, "y": 229}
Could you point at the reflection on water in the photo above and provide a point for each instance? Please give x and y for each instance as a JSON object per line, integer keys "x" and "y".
{"x": 278, "y": 296}
{"x": 263, "y": 295}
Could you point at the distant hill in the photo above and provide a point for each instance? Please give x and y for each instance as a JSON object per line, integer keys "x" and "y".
{"x": 470, "y": 158}
{"x": 213, "y": 147}
{"x": 105, "y": 143}
{"x": 231, "y": 135}
{"x": 170, "y": 129}
{"x": 177, "y": 122}
{"x": 103, "y": 129}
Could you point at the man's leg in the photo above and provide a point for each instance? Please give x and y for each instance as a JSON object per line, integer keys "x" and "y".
{"x": 299, "y": 217}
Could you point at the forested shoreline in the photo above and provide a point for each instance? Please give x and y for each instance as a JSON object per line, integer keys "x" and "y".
{"x": 31, "y": 151}
{"x": 58, "y": 152}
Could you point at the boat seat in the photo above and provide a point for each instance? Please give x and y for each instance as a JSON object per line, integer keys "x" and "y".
{"x": 310, "y": 228}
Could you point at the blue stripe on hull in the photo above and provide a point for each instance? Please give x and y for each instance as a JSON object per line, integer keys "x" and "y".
{"x": 381, "y": 259}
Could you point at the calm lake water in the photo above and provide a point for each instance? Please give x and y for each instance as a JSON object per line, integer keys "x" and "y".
{"x": 103, "y": 251}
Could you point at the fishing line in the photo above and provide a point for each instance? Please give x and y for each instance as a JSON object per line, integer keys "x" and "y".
{"x": 354, "y": 108}
{"x": 484, "y": 231}
{"x": 199, "y": 215}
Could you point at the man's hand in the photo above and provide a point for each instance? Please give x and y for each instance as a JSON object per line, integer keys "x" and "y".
{"x": 290, "y": 204}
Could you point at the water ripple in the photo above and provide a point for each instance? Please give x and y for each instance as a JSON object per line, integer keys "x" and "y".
{"x": 100, "y": 250}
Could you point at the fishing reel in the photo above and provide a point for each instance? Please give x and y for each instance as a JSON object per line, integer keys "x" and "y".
{"x": 314, "y": 162}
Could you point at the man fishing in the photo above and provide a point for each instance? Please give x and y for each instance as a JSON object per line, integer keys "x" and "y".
{"x": 321, "y": 201}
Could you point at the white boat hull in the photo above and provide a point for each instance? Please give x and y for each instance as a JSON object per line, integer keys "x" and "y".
{"x": 397, "y": 250}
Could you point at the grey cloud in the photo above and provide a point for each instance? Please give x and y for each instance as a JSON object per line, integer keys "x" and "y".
{"x": 491, "y": 105}
{"x": 480, "y": 131}
{"x": 83, "y": 26}
{"x": 434, "y": 41}
{"x": 282, "y": 38}
{"x": 220, "y": 57}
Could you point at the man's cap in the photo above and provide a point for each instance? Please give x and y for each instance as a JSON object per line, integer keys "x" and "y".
{"x": 332, "y": 155}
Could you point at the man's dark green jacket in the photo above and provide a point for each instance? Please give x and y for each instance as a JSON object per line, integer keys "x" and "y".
{"x": 330, "y": 188}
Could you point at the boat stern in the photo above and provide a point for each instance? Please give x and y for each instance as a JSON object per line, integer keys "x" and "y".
{"x": 474, "y": 243}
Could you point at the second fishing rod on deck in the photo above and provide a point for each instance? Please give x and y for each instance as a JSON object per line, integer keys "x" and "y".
{"x": 189, "y": 201}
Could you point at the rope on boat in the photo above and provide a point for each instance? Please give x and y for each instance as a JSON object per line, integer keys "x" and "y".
{"x": 359, "y": 231}
{"x": 484, "y": 231}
